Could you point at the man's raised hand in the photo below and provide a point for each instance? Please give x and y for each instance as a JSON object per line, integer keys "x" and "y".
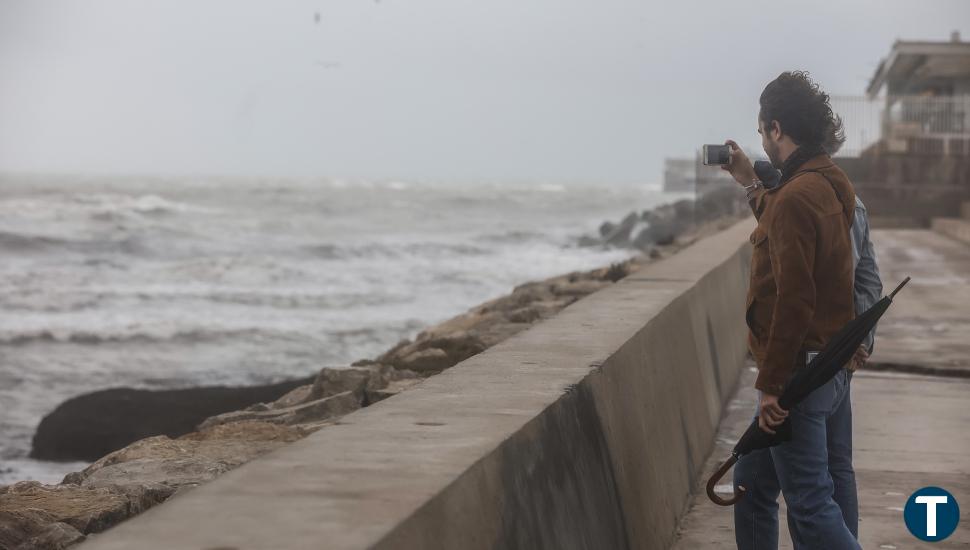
{"x": 739, "y": 166}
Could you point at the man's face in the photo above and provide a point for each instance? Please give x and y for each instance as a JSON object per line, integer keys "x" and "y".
{"x": 769, "y": 143}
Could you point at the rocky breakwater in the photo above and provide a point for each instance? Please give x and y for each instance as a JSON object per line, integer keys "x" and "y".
{"x": 151, "y": 470}
{"x": 660, "y": 226}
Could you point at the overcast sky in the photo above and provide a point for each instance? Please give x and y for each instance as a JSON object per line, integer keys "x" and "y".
{"x": 523, "y": 90}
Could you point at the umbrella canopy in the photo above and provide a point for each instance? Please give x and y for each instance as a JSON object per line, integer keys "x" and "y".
{"x": 837, "y": 352}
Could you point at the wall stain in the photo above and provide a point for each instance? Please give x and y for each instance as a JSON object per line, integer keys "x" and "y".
{"x": 712, "y": 346}
{"x": 559, "y": 487}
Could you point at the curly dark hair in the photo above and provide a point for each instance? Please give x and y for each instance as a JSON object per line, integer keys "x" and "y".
{"x": 802, "y": 110}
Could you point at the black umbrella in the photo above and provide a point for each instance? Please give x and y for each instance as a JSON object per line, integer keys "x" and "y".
{"x": 820, "y": 370}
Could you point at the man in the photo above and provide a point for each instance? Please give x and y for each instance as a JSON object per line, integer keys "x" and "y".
{"x": 800, "y": 295}
{"x": 759, "y": 510}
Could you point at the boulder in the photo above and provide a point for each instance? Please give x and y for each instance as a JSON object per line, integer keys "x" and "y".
{"x": 493, "y": 333}
{"x": 684, "y": 211}
{"x": 310, "y": 411}
{"x": 530, "y": 313}
{"x": 334, "y": 380}
{"x": 293, "y": 397}
{"x": 188, "y": 460}
{"x": 30, "y": 528}
{"x": 616, "y": 271}
{"x": 252, "y": 432}
{"x": 620, "y": 235}
{"x": 457, "y": 339}
{"x": 53, "y": 536}
{"x": 393, "y": 388}
{"x": 175, "y": 473}
{"x": 92, "y": 425}
{"x": 606, "y": 228}
{"x": 393, "y": 352}
{"x": 579, "y": 288}
{"x": 335, "y": 392}
{"x": 427, "y": 360}
{"x": 30, "y": 512}
{"x": 367, "y": 376}
{"x": 458, "y": 345}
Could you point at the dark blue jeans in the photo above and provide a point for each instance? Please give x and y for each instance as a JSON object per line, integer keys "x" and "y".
{"x": 813, "y": 471}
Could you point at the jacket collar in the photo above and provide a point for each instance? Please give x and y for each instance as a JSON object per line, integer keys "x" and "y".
{"x": 806, "y": 157}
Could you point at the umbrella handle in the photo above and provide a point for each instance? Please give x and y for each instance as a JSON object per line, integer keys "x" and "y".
{"x": 901, "y": 285}
{"x": 716, "y": 476}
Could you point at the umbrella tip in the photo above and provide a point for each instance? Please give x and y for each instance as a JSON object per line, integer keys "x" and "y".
{"x": 901, "y": 285}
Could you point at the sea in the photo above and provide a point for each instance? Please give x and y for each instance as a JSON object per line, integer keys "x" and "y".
{"x": 171, "y": 282}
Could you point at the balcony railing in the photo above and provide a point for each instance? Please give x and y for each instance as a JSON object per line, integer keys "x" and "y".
{"x": 905, "y": 124}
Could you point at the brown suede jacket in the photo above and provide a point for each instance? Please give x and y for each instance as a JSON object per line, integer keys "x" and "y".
{"x": 800, "y": 293}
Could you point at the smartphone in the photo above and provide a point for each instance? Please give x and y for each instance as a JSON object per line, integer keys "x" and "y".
{"x": 716, "y": 154}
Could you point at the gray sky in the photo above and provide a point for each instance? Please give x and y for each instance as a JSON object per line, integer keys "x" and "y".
{"x": 522, "y": 90}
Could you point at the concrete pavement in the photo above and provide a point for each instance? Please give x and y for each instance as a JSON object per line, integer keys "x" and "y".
{"x": 910, "y": 429}
{"x": 928, "y": 327}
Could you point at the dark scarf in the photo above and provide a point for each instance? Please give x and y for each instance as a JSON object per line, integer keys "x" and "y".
{"x": 799, "y": 156}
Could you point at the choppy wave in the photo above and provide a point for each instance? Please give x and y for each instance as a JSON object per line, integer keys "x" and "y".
{"x": 98, "y": 203}
{"x": 31, "y": 243}
{"x": 19, "y": 242}
{"x": 512, "y": 236}
{"x": 332, "y": 251}
{"x": 104, "y": 335}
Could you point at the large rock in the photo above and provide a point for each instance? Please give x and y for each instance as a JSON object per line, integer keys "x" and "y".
{"x": 441, "y": 347}
{"x": 189, "y": 460}
{"x": 392, "y": 388}
{"x": 336, "y": 391}
{"x": 620, "y": 234}
{"x": 334, "y": 380}
{"x": 371, "y": 380}
{"x": 428, "y": 360}
{"x": 579, "y": 288}
{"x": 34, "y": 529}
{"x": 53, "y": 536}
{"x": 176, "y": 473}
{"x": 33, "y": 515}
{"x": 92, "y": 425}
{"x": 293, "y": 397}
{"x": 310, "y": 411}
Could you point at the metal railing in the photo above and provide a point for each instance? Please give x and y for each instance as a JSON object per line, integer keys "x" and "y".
{"x": 905, "y": 124}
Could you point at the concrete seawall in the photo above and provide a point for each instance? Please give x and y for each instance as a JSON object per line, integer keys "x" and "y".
{"x": 585, "y": 431}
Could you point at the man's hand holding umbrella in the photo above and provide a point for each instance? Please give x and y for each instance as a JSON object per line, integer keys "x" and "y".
{"x": 859, "y": 359}
{"x": 770, "y": 413}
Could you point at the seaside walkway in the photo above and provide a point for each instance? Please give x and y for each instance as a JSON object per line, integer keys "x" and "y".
{"x": 911, "y": 410}
{"x": 591, "y": 429}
